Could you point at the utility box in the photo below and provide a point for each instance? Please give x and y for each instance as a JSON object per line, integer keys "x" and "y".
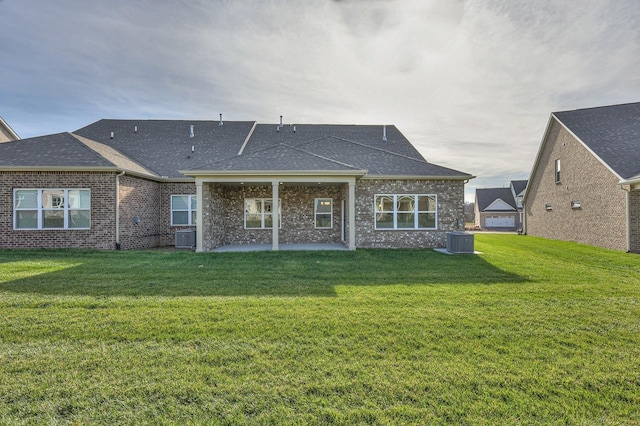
{"x": 186, "y": 238}
{"x": 460, "y": 242}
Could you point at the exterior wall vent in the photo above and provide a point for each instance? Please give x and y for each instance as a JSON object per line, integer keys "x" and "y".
{"x": 186, "y": 238}
{"x": 547, "y": 207}
{"x": 460, "y": 242}
{"x": 576, "y": 205}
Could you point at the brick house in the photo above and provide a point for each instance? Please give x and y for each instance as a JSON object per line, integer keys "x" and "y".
{"x": 500, "y": 208}
{"x": 131, "y": 184}
{"x": 585, "y": 182}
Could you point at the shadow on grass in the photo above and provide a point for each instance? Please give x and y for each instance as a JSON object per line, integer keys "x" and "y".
{"x": 295, "y": 274}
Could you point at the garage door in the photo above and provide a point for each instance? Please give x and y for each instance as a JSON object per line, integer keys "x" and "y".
{"x": 500, "y": 222}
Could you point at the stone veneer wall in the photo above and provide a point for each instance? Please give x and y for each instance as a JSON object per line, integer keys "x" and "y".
{"x": 224, "y": 215}
{"x": 601, "y": 219}
{"x": 101, "y": 235}
{"x": 450, "y": 205}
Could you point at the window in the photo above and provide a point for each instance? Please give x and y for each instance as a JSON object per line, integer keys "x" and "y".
{"x": 558, "y": 171}
{"x": 52, "y": 208}
{"x": 258, "y": 213}
{"x": 405, "y": 211}
{"x": 183, "y": 210}
{"x": 323, "y": 210}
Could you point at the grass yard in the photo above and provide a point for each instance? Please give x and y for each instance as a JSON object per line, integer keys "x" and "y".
{"x": 532, "y": 331}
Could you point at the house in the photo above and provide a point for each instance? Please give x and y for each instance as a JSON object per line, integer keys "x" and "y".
{"x": 6, "y": 132}
{"x": 131, "y": 184}
{"x": 500, "y": 208}
{"x": 585, "y": 182}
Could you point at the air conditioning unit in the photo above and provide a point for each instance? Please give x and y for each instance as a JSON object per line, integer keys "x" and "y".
{"x": 186, "y": 238}
{"x": 460, "y": 242}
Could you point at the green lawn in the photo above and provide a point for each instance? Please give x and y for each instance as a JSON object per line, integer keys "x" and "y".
{"x": 532, "y": 331}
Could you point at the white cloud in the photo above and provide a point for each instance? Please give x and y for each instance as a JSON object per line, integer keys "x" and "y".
{"x": 471, "y": 83}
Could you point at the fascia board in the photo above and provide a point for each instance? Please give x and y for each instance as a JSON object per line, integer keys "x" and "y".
{"x": 9, "y": 129}
{"x": 272, "y": 173}
{"x": 417, "y": 177}
{"x": 543, "y": 144}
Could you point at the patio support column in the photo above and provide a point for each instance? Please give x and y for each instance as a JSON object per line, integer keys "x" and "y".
{"x": 275, "y": 214}
{"x": 352, "y": 214}
{"x": 199, "y": 216}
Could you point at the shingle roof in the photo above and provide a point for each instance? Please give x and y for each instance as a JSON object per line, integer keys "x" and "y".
{"x": 611, "y": 132}
{"x": 519, "y": 185}
{"x": 280, "y": 157}
{"x": 165, "y": 146}
{"x": 57, "y": 150}
{"x": 486, "y": 196}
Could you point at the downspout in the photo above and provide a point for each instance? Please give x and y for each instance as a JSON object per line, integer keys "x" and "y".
{"x": 118, "y": 247}
{"x": 627, "y": 189}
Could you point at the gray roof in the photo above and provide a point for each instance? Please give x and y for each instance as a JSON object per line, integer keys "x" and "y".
{"x": 164, "y": 148}
{"x": 486, "y": 196}
{"x": 611, "y": 132}
{"x": 57, "y": 150}
{"x": 281, "y": 158}
{"x": 519, "y": 185}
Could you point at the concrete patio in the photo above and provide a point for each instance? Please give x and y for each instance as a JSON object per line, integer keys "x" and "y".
{"x": 283, "y": 247}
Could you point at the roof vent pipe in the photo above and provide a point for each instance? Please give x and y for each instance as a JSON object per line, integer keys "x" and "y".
{"x": 277, "y": 128}
{"x": 294, "y": 128}
{"x": 111, "y": 135}
{"x": 384, "y": 132}
{"x": 191, "y": 131}
{"x": 281, "y": 121}
{"x": 220, "y": 122}
{"x": 135, "y": 129}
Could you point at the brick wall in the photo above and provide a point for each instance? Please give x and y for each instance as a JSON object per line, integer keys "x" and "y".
{"x": 165, "y": 230}
{"x": 450, "y": 208}
{"x": 224, "y": 215}
{"x": 634, "y": 198}
{"x": 601, "y": 219}
{"x": 140, "y": 198}
{"x": 101, "y": 235}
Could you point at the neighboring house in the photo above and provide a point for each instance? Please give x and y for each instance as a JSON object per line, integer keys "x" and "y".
{"x": 585, "y": 182}
{"x": 6, "y": 132}
{"x": 500, "y": 208}
{"x": 130, "y": 184}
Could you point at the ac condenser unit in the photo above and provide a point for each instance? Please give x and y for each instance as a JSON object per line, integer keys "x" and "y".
{"x": 186, "y": 238}
{"x": 460, "y": 242}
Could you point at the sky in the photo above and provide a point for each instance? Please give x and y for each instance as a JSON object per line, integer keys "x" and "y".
{"x": 471, "y": 83}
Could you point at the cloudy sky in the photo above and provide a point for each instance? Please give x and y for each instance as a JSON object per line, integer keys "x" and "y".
{"x": 470, "y": 82}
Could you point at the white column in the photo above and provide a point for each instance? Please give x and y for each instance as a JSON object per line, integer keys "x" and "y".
{"x": 352, "y": 214}
{"x": 275, "y": 214}
{"x": 199, "y": 216}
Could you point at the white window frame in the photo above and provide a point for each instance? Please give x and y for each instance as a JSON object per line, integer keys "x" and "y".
{"x": 415, "y": 211}
{"x": 262, "y": 213}
{"x": 62, "y": 206}
{"x": 190, "y": 210}
{"x": 316, "y": 213}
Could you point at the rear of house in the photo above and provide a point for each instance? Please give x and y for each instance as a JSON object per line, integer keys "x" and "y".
{"x": 130, "y": 184}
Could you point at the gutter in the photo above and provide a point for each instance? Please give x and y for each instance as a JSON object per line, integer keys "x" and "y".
{"x": 122, "y": 173}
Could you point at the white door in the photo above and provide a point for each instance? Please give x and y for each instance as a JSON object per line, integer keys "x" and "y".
{"x": 500, "y": 222}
